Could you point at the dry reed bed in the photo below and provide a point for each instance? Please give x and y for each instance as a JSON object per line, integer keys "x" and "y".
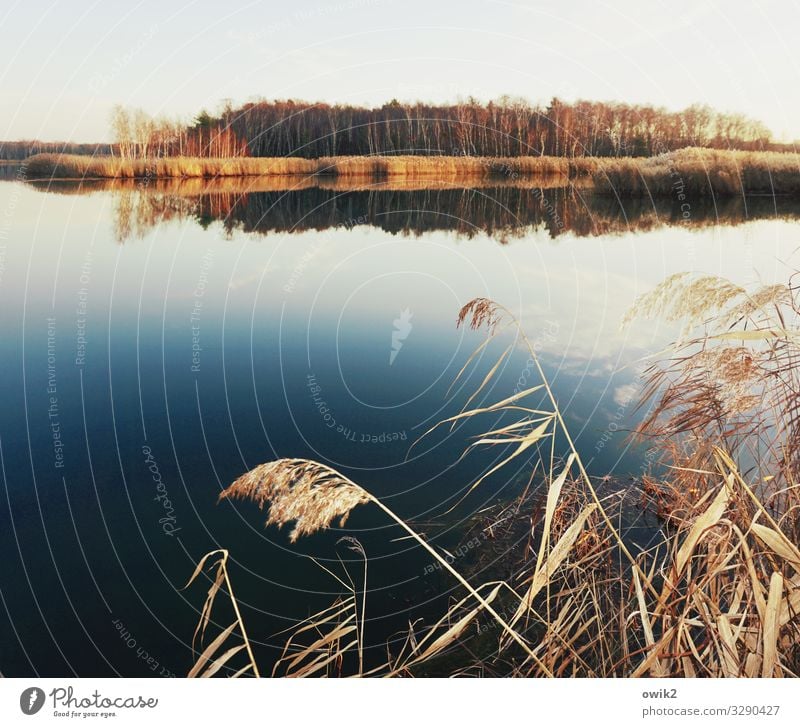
{"x": 52, "y": 166}
{"x": 717, "y": 594}
{"x": 697, "y": 172}
{"x": 692, "y": 172}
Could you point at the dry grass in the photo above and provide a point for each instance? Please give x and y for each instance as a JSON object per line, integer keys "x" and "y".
{"x": 53, "y": 166}
{"x": 313, "y": 495}
{"x": 717, "y": 594}
{"x": 692, "y": 172}
{"x": 734, "y": 381}
{"x": 696, "y": 172}
{"x": 212, "y": 659}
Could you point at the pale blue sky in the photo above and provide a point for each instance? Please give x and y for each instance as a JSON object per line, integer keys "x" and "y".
{"x": 64, "y": 64}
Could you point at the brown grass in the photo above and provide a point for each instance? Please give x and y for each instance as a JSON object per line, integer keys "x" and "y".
{"x": 66, "y": 166}
{"x": 695, "y": 172}
{"x": 717, "y": 594}
{"x": 691, "y": 172}
{"x": 215, "y": 566}
{"x": 53, "y": 166}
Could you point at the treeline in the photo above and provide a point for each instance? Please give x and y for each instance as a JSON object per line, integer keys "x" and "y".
{"x": 504, "y": 128}
{"x": 19, "y": 150}
{"x": 139, "y": 136}
{"x": 509, "y": 127}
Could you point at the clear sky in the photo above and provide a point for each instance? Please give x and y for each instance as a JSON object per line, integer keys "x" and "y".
{"x": 65, "y": 63}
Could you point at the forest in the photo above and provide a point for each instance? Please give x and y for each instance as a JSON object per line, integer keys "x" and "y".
{"x": 508, "y": 127}
{"x": 19, "y": 150}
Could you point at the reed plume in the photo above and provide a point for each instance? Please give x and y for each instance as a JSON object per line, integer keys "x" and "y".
{"x": 301, "y": 491}
{"x": 312, "y": 495}
{"x": 478, "y": 313}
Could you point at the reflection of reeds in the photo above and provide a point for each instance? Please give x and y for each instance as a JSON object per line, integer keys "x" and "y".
{"x": 197, "y": 186}
{"x": 717, "y": 593}
{"x": 264, "y": 205}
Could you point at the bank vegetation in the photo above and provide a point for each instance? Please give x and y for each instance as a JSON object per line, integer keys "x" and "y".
{"x": 715, "y": 592}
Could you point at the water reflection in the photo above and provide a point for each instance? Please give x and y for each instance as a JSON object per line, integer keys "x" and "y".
{"x": 265, "y": 205}
{"x": 220, "y": 339}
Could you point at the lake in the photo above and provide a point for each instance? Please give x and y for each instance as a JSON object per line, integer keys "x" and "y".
{"x": 160, "y": 339}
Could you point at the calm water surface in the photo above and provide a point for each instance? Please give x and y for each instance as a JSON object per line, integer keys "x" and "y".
{"x": 159, "y": 340}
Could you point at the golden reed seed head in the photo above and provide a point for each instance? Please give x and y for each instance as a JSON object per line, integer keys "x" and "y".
{"x": 480, "y": 312}
{"x": 683, "y": 298}
{"x": 301, "y": 491}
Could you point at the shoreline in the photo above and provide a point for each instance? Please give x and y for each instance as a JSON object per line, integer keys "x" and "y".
{"x": 689, "y": 172}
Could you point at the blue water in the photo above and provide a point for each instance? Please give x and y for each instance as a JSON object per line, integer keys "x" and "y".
{"x": 145, "y": 368}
